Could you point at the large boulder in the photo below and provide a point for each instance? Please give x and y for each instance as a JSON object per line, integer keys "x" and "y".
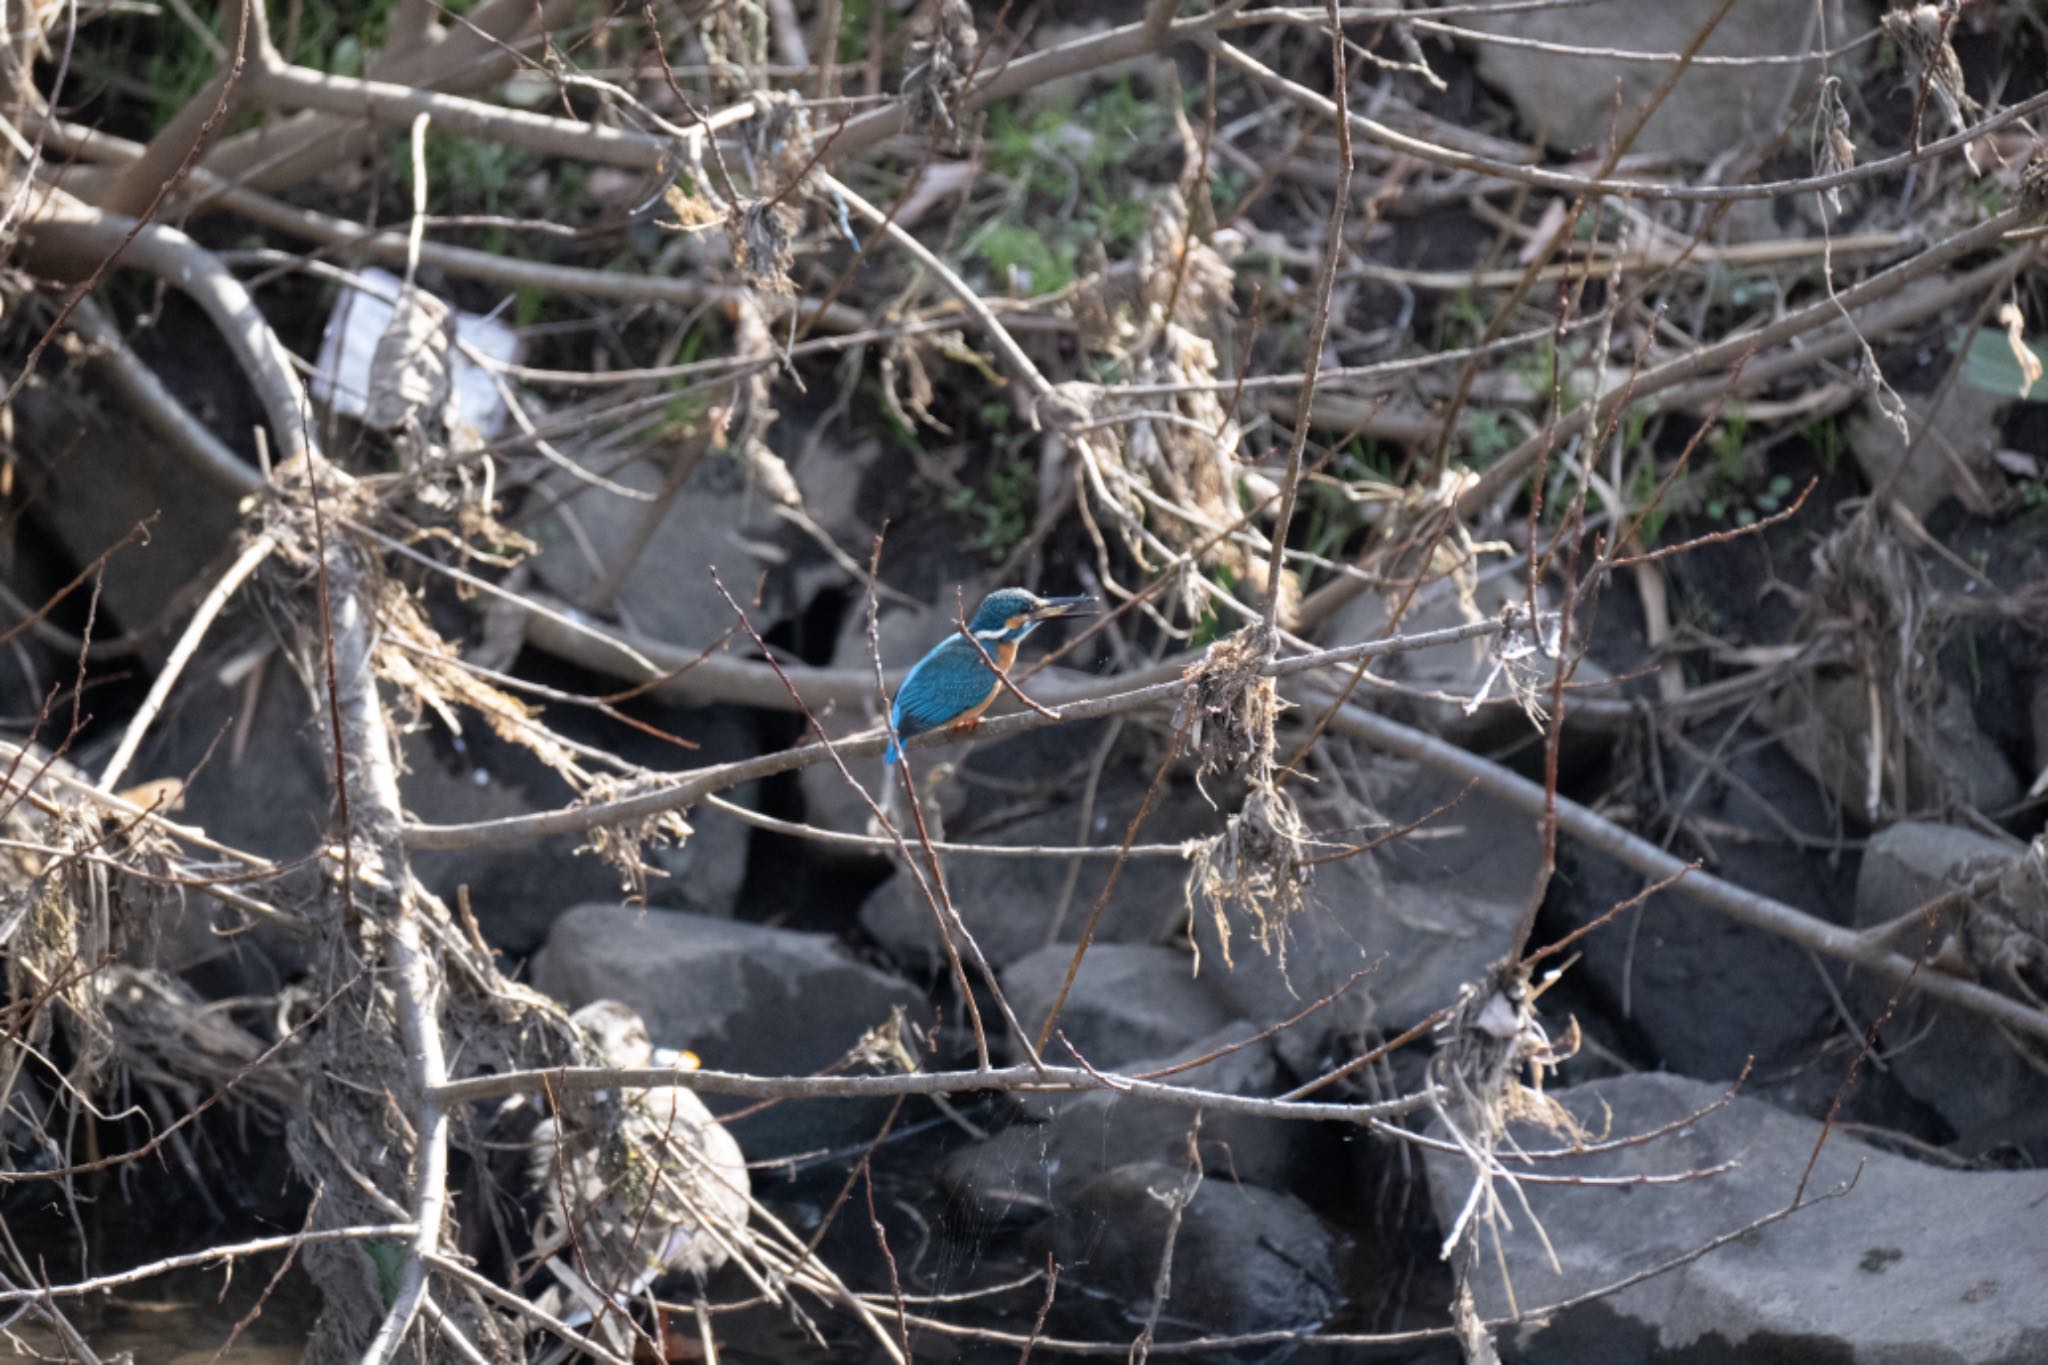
{"x": 1129, "y": 1000}
{"x": 1245, "y": 1259}
{"x": 1009, "y": 903}
{"x": 1889, "y": 1260}
{"x": 1979, "y": 1084}
{"x": 743, "y": 997}
{"x": 1067, "y": 1141}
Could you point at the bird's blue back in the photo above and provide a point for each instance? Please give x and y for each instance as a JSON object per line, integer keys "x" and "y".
{"x": 950, "y": 680}
{"x": 954, "y": 679}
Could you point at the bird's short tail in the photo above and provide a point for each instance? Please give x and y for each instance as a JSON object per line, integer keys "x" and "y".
{"x": 892, "y": 787}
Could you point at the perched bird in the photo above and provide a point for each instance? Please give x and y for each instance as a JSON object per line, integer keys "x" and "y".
{"x": 953, "y": 685}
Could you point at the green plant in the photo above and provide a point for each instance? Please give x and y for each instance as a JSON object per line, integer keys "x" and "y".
{"x": 1642, "y": 489}
{"x": 856, "y": 19}
{"x": 1727, "y": 479}
{"x": 1040, "y": 264}
{"x": 1727, "y": 442}
{"x": 1538, "y": 367}
{"x": 1824, "y": 437}
{"x": 1487, "y": 437}
{"x": 1003, "y": 504}
{"x": 1464, "y": 321}
{"x": 468, "y": 175}
{"x": 1061, "y": 160}
{"x": 1774, "y": 494}
{"x": 1210, "y": 627}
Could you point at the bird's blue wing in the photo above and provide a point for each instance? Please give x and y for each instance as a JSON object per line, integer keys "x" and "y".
{"x": 946, "y": 682}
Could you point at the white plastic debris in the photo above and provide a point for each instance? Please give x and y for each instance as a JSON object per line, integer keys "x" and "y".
{"x": 361, "y": 320}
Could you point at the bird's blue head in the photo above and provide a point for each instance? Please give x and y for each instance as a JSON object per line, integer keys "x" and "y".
{"x": 1010, "y": 614}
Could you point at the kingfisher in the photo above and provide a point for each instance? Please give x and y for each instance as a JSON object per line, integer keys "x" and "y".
{"x": 952, "y": 685}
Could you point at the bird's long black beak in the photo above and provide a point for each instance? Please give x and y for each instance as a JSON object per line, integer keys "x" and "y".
{"x": 1050, "y": 607}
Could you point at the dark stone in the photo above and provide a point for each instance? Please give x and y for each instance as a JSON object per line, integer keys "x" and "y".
{"x": 1968, "y": 1073}
{"x": 1245, "y": 1259}
{"x": 1008, "y": 903}
{"x": 1912, "y": 1263}
{"x": 1065, "y": 1142}
{"x": 1704, "y": 993}
{"x": 1129, "y": 1000}
{"x": 743, "y": 997}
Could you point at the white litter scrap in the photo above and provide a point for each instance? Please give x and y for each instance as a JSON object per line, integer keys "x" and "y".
{"x": 361, "y": 324}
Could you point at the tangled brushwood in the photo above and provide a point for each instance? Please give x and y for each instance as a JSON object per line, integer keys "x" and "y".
{"x": 1487, "y": 1073}
{"x": 460, "y": 465}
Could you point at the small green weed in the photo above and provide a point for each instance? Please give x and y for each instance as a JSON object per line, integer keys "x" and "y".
{"x": 1210, "y": 627}
{"x": 1062, "y": 160}
{"x": 1824, "y": 437}
{"x": 1464, "y": 321}
{"x": 1015, "y": 251}
{"x": 1003, "y": 504}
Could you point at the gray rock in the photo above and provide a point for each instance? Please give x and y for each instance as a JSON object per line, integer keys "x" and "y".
{"x": 1907, "y": 864}
{"x": 1087, "y": 1134}
{"x": 1959, "y": 455}
{"x": 1008, "y": 903}
{"x": 1705, "y": 994}
{"x": 1421, "y": 917}
{"x": 743, "y": 997}
{"x": 1129, "y": 1001}
{"x": 1969, "y": 1075}
{"x": 1827, "y": 728}
{"x": 1713, "y": 110}
{"x": 1245, "y": 1259}
{"x": 273, "y": 799}
{"x": 1915, "y": 1263}
{"x": 1044, "y": 1160}
{"x": 668, "y": 594}
{"x": 95, "y": 474}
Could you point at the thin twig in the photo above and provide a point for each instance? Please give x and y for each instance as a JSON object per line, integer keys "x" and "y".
{"x": 246, "y": 563}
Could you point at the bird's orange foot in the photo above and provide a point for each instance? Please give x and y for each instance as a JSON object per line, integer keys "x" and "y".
{"x": 963, "y": 727}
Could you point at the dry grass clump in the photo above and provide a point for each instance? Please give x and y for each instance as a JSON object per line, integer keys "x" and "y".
{"x": 940, "y": 63}
{"x": 1258, "y": 868}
